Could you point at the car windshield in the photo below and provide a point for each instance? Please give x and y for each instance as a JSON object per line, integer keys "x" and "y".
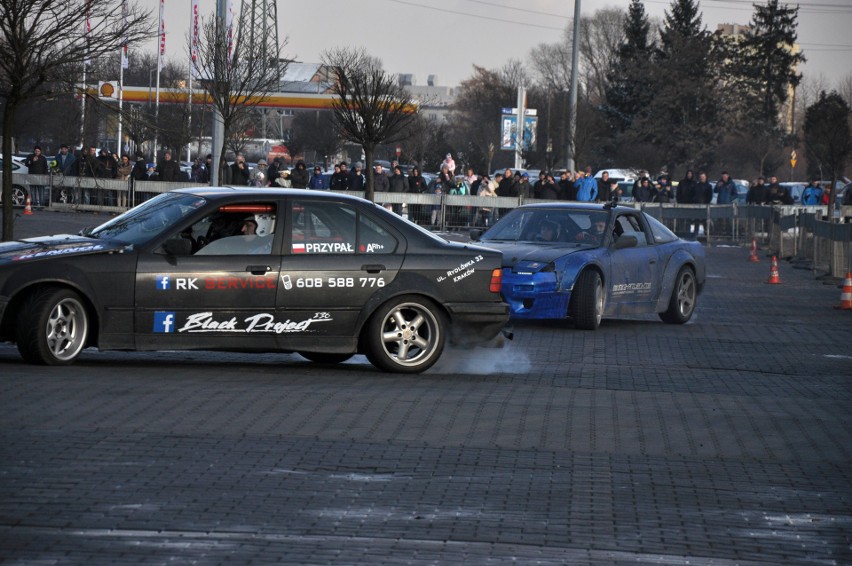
{"x": 549, "y": 226}
{"x": 149, "y": 219}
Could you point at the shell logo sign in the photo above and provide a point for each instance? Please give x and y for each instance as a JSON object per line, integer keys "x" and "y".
{"x": 108, "y": 90}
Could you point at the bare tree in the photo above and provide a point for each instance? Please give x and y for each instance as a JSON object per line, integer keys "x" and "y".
{"x": 316, "y": 130}
{"x": 236, "y": 74}
{"x": 371, "y": 107}
{"x": 43, "y": 45}
{"x": 600, "y": 38}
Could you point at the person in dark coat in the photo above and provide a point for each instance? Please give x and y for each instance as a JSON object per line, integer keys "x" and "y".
{"x": 567, "y": 191}
{"x": 37, "y": 165}
{"x": 272, "y": 170}
{"x": 357, "y": 180}
{"x": 703, "y": 195}
{"x": 776, "y": 194}
{"x": 644, "y": 192}
{"x": 339, "y": 179}
{"x": 168, "y": 170}
{"x": 757, "y": 192}
{"x": 703, "y": 190}
{"x": 397, "y": 182}
{"x": 664, "y": 191}
{"x": 548, "y": 189}
{"x": 381, "y": 183}
{"x": 299, "y": 176}
{"x": 140, "y": 168}
{"x": 109, "y": 162}
{"x": 65, "y": 160}
{"x": 686, "y": 188}
{"x": 240, "y": 174}
{"x": 508, "y": 186}
{"x": 604, "y": 188}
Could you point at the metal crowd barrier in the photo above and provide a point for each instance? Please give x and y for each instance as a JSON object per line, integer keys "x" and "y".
{"x": 787, "y": 231}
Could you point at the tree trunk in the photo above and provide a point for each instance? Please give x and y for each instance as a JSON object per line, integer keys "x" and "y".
{"x": 8, "y": 213}
{"x": 370, "y": 191}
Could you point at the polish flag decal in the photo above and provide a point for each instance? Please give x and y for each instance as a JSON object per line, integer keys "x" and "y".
{"x": 298, "y": 248}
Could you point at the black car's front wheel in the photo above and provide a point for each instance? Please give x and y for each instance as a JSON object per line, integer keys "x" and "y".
{"x": 405, "y": 335}
{"x": 53, "y": 327}
{"x": 587, "y": 300}
{"x": 684, "y": 294}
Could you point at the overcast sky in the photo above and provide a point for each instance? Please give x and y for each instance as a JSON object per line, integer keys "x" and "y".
{"x": 447, "y": 37}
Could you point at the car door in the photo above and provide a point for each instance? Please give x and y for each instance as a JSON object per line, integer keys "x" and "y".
{"x": 221, "y": 293}
{"x": 635, "y": 271}
{"x": 336, "y": 258}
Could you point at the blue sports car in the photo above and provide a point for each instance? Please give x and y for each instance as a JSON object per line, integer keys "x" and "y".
{"x": 589, "y": 261}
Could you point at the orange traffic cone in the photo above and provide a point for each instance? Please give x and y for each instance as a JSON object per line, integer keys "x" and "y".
{"x": 774, "y": 278}
{"x": 846, "y": 294}
{"x": 28, "y": 209}
{"x": 753, "y": 257}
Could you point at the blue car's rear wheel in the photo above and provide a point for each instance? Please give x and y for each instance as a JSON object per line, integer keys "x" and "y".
{"x": 587, "y": 300}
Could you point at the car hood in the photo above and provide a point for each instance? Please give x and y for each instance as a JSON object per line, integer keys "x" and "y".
{"x": 62, "y": 245}
{"x": 528, "y": 253}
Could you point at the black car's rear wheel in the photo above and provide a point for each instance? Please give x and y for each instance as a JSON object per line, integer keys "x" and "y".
{"x": 53, "y": 327}
{"x": 682, "y": 303}
{"x": 587, "y": 300}
{"x": 405, "y": 335}
{"x": 325, "y": 357}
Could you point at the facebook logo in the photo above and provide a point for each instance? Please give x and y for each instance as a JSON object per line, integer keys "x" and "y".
{"x": 164, "y": 282}
{"x": 164, "y": 322}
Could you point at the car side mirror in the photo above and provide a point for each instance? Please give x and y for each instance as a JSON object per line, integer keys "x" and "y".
{"x": 476, "y": 234}
{"x": 626, "y": 241}
{"x": 178, "y": 246}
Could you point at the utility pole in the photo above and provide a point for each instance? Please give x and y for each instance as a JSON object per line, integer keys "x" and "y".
{"x": 519, "y": 130}
{"x": 572, "y": 104}
{"x": 218, "y": 134}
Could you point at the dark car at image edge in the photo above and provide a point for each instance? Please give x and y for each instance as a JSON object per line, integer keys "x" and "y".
{"x": 254, "y": 270}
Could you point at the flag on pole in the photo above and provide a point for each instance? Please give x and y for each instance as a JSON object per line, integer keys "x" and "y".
{"x": 125, "y": 61}
{"x": 162, "y": 35}
{"x": 194, "y": 31}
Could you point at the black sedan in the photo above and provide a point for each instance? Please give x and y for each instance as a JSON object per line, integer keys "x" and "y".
{"x": 255, "y": 270}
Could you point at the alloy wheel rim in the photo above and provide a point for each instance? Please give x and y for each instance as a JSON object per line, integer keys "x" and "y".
{"x": 66, "y": 329}
{"x": 410, "y": 334}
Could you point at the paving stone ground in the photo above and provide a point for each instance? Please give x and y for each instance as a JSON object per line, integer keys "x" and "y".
{"x": 724, "y": 441}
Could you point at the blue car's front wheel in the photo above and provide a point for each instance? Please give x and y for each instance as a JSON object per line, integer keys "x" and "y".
{"x": 587, "y": 300}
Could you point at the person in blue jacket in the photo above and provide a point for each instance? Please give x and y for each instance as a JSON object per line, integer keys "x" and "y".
{"x": 812, "y": 195}
{"x": 317, "y": 182}
{"x": 726, "y": 190}
{"x": 587, "y": 186}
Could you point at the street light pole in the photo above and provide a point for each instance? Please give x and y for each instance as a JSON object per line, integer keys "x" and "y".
{"x": 572, "y": 103}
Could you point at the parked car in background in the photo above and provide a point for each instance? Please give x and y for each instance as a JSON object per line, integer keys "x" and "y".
{"x": 19, "y": 191}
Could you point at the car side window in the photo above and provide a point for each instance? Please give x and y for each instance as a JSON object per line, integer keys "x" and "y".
{"x": 245, "y": 228}
{"x": 373, "y": 238}
{"x": 629, "y": 224}
{"x": 323, "y": 227}
{"x": 660, "y": 232}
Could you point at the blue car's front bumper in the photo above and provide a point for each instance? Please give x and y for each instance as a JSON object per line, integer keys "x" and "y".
{"x": 534, "y": 295}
